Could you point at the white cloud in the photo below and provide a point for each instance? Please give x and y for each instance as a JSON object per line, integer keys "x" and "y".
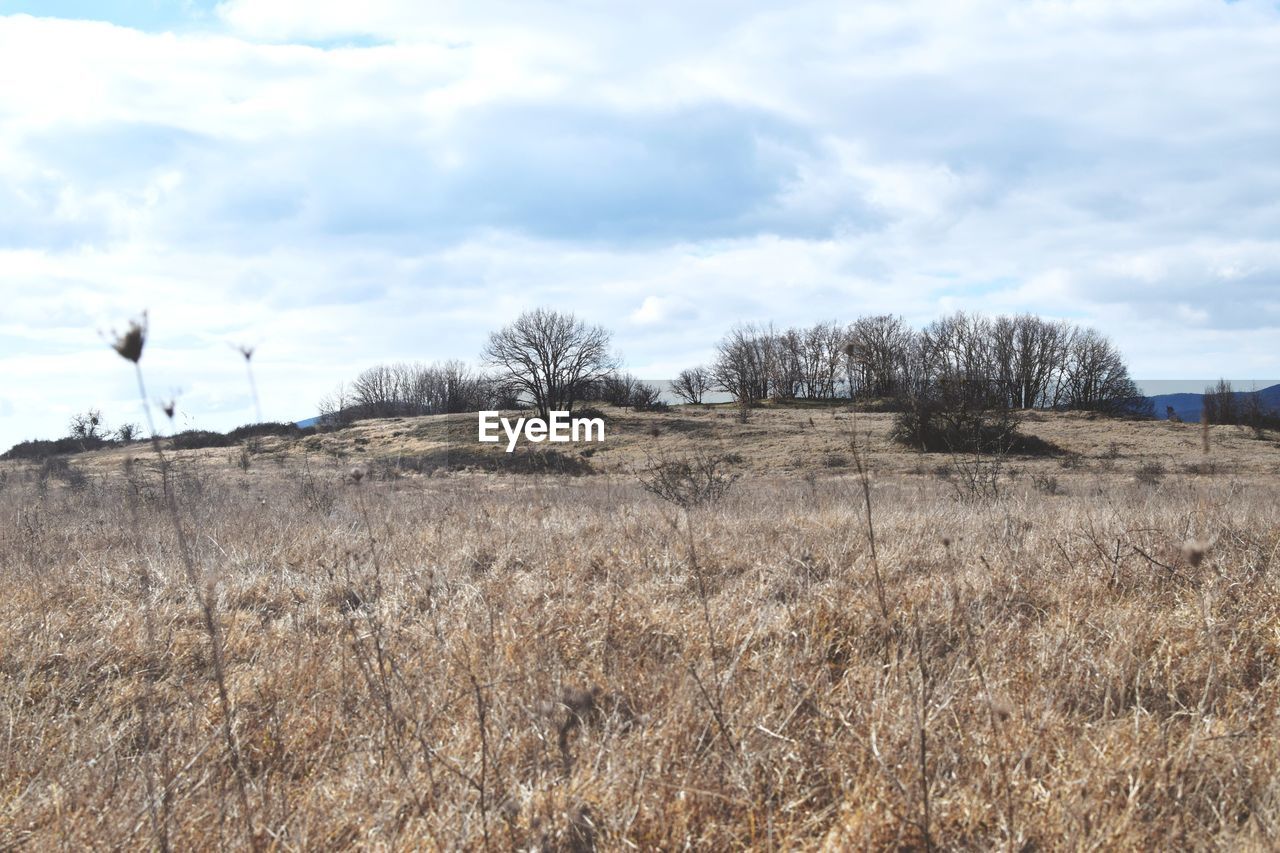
{"x": 653, "y": 310}
{"x": 343, "y": 183}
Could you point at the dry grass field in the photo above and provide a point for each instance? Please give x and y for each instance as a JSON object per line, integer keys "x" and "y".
{"x": 1080, "y": 652}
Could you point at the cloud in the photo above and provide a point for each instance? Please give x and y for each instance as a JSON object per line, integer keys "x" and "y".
{"x": 343, "y": 184}
{"x": 656, "y": 310}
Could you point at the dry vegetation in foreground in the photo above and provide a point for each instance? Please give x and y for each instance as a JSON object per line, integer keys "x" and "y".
{"x": 469, "y": 660}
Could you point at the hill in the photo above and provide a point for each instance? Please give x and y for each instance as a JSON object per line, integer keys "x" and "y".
{"x": 790, "y": 440}
{"x": 1189, "y": 406}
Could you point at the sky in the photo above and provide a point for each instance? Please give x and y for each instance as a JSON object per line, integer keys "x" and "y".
{"x": 339, "y": 184}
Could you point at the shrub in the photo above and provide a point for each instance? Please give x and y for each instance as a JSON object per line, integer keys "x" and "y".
{"x": 590, "y": 412}
{"x": 317, "y": 495}
{"x": 524, "y": 460}
{"x": 1150, "y": 473}
{"x": 88, "y": 426}
{"x": 1046, "y": 484}
{"x": 59, "y": 468}
{"x": 43, "y": 448}
{"x": 976, "y": 478}
{"x": 195, "y": 439}
{"x": 647, "y": 398}
{"x": 689, "y": 481}
{"x": 617, "y": 389}
{"x": 933, "y": 426}
{"x": 268, "y": 428}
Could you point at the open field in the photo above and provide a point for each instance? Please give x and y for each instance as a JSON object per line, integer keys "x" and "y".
{"x": 794, "y": 441}
{"x": 431, "y": 657}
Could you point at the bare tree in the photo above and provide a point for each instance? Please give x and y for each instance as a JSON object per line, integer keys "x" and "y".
{"x": 822, "y": 354}
{"x": 465, "y": 389}
{"x": 1097, "y": 378}
{"x": 744, "y": 363}
{"x": 647, "y": 398}
{"x": 955, "y": 399}
{"x": 961, "y": 361}
{"x": 550, "y": 357}
{"x": 616, "y": 389}
{"x": 692, "y": 384}
{"x": 877, "y": 348}
{"x": 1255, "y": 414}
{"x": 335, "y": 407}
{"x": 408, "y": 390}
{"x": 378, "y": 392}
{"x": 89, "y": 429}
{"x": 1028, "y": 356}
{"x": 88, "y": 425}
{"x": 1040, "y": 352}
{"x": 1220, "y": 404}
{"x": 787, "y": 374}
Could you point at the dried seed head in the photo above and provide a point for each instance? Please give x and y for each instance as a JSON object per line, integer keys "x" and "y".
{"x": 246, "y": 351}
{"x": 1194, "y": 550}
{"x": 130, "y": 344}
{"x": 169, "y": 407}
{"x": 357, "y": 474}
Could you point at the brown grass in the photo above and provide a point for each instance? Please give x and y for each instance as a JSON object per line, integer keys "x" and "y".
{"x": 780, "y": 440}
{"x": 466, "y": 660}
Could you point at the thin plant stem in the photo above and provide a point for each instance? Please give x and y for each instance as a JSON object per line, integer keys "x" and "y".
{"x": 206, "y": 599}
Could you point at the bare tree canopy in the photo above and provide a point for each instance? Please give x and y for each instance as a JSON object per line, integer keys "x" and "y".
{"x": 550, "y": 357}
{"x": 976, "y": 362}
{"x": 877, "y": 349}
{"x": 406, "y": 390}
{"x": 88, "y": 426}
{"x": 745, "y": 363}
{"x": 553, "y": 360}
{"x": 692, "y": 384}
{"x": 616, "y": 389}
{"x": 1097, "y": 379}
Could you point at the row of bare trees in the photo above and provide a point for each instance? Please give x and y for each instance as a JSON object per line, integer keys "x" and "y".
{"x": 553, "y": 361}
{"x": 1019, "y": 362}
{"x": 408, "y": 389}
{"x": 1222, "y": 404}
{"x": 546, "y": 358}
{"x": 756, "y": 362}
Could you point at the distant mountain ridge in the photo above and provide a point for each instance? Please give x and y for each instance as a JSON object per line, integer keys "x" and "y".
{"x": 1189, "y": 406}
